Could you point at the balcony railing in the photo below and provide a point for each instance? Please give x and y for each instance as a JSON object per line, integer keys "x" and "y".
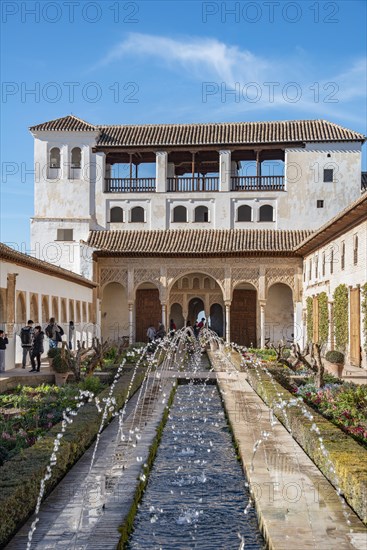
{"x": 129, "y": 185}
{"x": 192, "y": 184}
{"x": 257, "y": 183}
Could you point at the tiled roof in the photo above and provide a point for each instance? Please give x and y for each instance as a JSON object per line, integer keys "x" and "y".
{"x": 230, "y": 133}
{"x": 68, "y": 123}
{"x": 196, "y": 242}
{"x": 13, "y": 256}
{"x": 348, "y": 218}
{"x": 288, "y": 131}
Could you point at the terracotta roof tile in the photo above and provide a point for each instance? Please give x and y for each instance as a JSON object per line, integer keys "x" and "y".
{"x": 195, "y": 242}
{"x": 230, "y": 133}
{"x": 8, "y": 254}
{"x": 68, "y": 123}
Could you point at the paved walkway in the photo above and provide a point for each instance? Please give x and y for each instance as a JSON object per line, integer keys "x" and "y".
{"x": 296, "y": 505}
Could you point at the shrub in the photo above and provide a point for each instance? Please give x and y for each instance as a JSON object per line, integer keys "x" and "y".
{"x": 52, "y": 352}
{"x": 335, "y": 357}
{"x": 341, "y": 307}
{"x": 111, "y": 354}
{"x": 91, "y": 383}
{"x": 59, "y": 364}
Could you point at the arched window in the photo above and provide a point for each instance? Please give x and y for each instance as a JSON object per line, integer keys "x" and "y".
{"x": 179, "y": 214}
{"x": 266, "y": 213}
{"x": 137, "y": 214}
{"x": 76, "y": 157}
{"x": 244, "y": 213}
{"x": 201, "y": 214}
{"x": 116, "y": 215}
{"x": 196, "y": 282}
{"x": 55, "y": 157}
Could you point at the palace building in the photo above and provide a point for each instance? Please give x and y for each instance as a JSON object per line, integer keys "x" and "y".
{"x": 173, "y": 221}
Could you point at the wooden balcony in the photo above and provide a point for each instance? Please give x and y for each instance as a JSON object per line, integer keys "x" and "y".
{"x": 257, "y": 183}
{"x": 192, "y": 184}
{"x": 129, "y": 185}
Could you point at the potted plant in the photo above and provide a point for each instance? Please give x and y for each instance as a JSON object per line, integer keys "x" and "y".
{"x": 61, "y": 368}
{"x": 52, "y": 352}
{"x": 336, "y": 360}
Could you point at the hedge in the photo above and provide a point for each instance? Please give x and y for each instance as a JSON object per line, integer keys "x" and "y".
{"x": 347, "y": 456}
{"x": 20, "y": 477}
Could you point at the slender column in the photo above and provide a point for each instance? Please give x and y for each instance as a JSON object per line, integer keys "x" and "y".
{"x": 130, "y": 166}
{"x": 258, "y": 163}
{"x": 262, "y": 323}
{"x": 224, "y": 170}
{"x": 131, "y": 322}
{"x": 331, "y": 325}
{"x": 228, "y": 322}
{"x": 161, "y": 166}
{"x": 164, "y": 315}
{"x": 298, "y": 324}
{"x": 193, "y": 164}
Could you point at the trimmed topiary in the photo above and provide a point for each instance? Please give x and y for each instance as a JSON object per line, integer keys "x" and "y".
{"x": 335, "y": 357}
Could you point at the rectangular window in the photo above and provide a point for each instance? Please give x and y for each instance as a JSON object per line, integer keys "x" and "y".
{"x": 65, "y": 235}
{"x": 328, "y": 175}
{"x": 316, "y": 267}
{"x": 343, "y": 256}
{"x": 320, "y": 204}
{"x": 323, "y": 264}
{"x": 310, "y": 271}
{"x": 355, "y": 250}
{"x": 332, "y": 261}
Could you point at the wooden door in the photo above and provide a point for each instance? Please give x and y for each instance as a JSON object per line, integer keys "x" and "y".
{"x": 315, "y": 318}
{"x": 355, "y": 327}
{"x": 148, "y": 312}
{"x": 243, "y": 317}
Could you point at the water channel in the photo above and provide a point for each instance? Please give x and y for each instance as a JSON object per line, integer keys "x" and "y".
{"x": 197, "y": 495}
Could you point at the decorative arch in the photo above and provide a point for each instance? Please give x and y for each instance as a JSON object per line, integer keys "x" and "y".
{"x": 114, "y": 311}
{"x": 217, "y": 318}
{"x": 76, "y": 157}
{"x": 279, "y": 313}
{"x": 21, "y": 312}
{"x": 177, "y": 315}
{"x": 33, "y": 311}
{"x": 55, "y": 158}
{"x": 184, "y": 275}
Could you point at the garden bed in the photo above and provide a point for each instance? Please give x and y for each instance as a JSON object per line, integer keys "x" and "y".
{"x": 347, "y": 456}
{"x": 21, "y": 476}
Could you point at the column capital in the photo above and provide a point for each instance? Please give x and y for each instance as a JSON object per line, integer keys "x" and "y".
{"x": 262, "y": 303}
{"x": 228, "y": 303}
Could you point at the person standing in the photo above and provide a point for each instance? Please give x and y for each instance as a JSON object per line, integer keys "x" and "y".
{"x": 26, "y": 337}
{"x": 71, "y": 334}
{"x": 172, "y": 328}
{"x": 3, "y": 343}
{"x": 37, "y": 349}
{"x": 54, "y": 333}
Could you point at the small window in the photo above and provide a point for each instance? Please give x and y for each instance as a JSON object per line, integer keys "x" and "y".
{"x": 201, "y": 214}
{"x": 310, "y": 270}
{"x": 323, "y": 263}
{"x": 55, "y": 157}
{"x": 320, "y": 204}
{"x": 76, "y": 157}
{"x": 116, "y": 215}
{"x": 179, "y": 214}
{"x": 342, "y": 263}
{"x": 316, "y": 267}
{"x": 355, "y": 250}
{"x": 328, "y": 175}
{"x": 65, "y": 235}
{"x": 266, "y": 213}
{"x": 137, "y": 215}
{"x": 244, "y": 213}
{"x": 332, "y": 261}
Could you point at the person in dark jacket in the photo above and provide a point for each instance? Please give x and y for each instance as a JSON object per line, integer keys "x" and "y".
{"x": 26, "y": 337}
{"x": 3, "y": 343}
{"x": 37, "y": 349}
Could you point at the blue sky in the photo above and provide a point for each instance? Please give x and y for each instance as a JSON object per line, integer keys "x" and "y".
{"x": 119, "y": 62}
